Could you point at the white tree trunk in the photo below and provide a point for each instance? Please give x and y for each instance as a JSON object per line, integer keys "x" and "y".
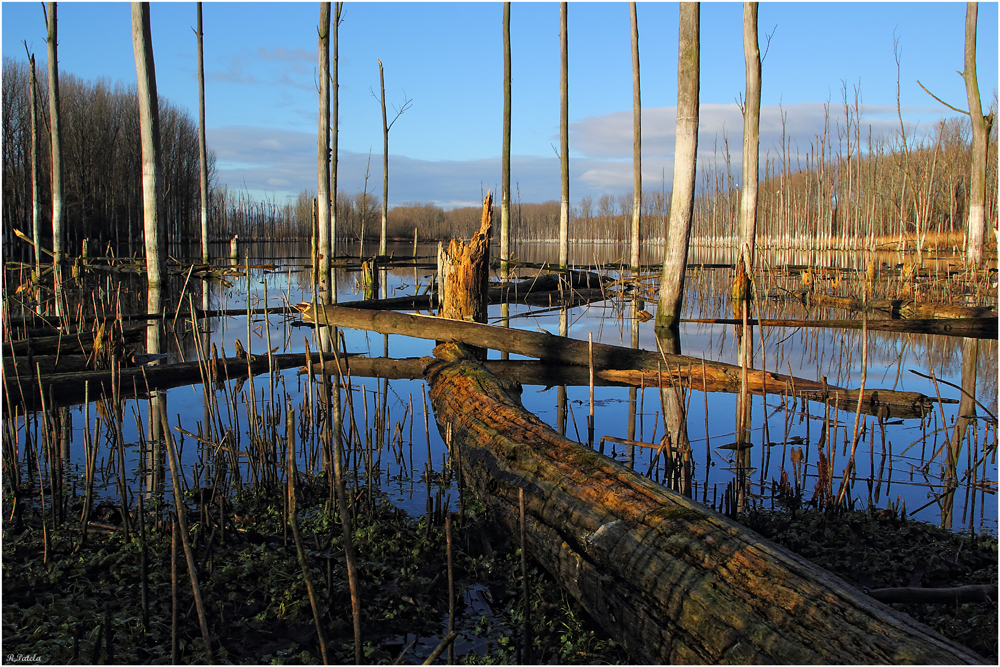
{"x": 751, "y": 137}
{"x": 563, "y": 141}
{"x": 636, "y": 143}
{"x": 202, "y": 144}
{"x": 323, "y": 146}
{"x": 57, "y": 170}
{"x": 976, "y": 226}
{"x": 668, "y": 310}
{"x": 149, "y": 124}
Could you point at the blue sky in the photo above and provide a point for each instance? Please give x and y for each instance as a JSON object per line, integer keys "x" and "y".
{"x": 262, "y": 101}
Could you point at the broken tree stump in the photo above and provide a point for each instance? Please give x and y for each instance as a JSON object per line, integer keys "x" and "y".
{"x": 673, "y": 581}
{"x": 465, "y": 272}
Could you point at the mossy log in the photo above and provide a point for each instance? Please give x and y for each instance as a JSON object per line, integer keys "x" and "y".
{"x": 673, "y": 581}
{"x": 641, "y": 365}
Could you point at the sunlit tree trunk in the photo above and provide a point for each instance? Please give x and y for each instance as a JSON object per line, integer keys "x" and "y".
{"x": 980, "y": 133}
{"x": 56, "y": 152}
{"x": 636, "y": 142}
{"x": 202, "y": 144}
{"x": 563, "y": 140}
{"x": 36, "y": 209}
{"x": 382, "y": 244}
{"x": 149, "y": 124}
{"x": 751, "y": 137}
{"x": 334, "y": 131}
{"x": 505, "y": 159}
{"x": 323, "y": 150}
{"x": 668, "y": 310}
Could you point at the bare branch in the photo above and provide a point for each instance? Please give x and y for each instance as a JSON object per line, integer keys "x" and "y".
{"x": 940, "y": 100}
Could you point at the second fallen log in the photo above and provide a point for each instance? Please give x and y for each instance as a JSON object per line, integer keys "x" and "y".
{"x": 670, "y": 579}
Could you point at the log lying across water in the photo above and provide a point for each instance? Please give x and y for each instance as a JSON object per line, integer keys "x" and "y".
{"x": 968, "y": 327}
{"x": 621, "y": 364}
{"x": 673, "y": 581}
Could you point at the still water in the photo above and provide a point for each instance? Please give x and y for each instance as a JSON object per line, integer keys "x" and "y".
{"x": 899, "y": 463}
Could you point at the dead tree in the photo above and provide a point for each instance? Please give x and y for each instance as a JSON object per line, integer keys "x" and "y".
{"x": 58, "y": 251}
{"x": 149, "y": 122}
{"x": 202, "y": 144}
{"x": 563, "y": 140}
{"x": 668, "y": 310}
{"x": 669, "y": 578}
{"x": 323, "y": 147}
{"x": 636, "y": 143}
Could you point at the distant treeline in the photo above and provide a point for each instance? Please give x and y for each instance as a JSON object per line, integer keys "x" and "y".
{"x": 847, "y": 188}
{"x": 101, "y": 155}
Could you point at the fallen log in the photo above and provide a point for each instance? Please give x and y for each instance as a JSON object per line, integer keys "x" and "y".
{"x": 968, "y": 327}
{"x": 71, "y": 343}
{"x": 671, "y": 580}
{"x": 696, "y": 373}
{"x": 958, "y": 595}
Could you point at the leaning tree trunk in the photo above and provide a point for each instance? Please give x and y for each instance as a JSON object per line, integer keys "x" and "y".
{"x": 672, "y": 580}
{"x": 323, "y": 148}
{"x": 668, "y": 309}
{"x": 56, "y": 151}
{"x": 202, "y": 143}
{"x": 563, "y": 140}
{"x": 636, "y": 143}
{"x": 149, "y": 124}
{"x": 976, "y": 227}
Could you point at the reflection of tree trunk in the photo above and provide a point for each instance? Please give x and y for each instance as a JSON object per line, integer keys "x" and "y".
{"x": 561, "y": 391}
{"x": 678, "y": 453}
{"x": 966, "y": 415}
{"x": 563, "y": 141}
{"x": 668, "y": 310}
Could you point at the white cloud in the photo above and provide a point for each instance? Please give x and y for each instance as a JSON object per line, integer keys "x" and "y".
{"x": 282, "y": 163}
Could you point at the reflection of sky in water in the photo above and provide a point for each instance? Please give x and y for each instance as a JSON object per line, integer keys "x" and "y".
{"x": 910, "y": 472}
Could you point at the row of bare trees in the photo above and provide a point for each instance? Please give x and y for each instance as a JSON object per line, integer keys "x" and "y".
{"x": 101, "y": 160}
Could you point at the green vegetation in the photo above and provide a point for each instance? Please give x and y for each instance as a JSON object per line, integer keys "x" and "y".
{"x": 84, "y": 604}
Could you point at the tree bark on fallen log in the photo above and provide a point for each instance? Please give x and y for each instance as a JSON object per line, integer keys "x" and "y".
{"x": 969, "y": 327}
{"x": 673, "y": 581}
{"x": 696, "y": 373}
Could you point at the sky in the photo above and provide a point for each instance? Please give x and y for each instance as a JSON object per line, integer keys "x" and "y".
{"x": 261, "y": 63}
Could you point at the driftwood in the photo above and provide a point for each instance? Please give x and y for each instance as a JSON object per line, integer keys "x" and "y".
{"x": 905, "y": 308}
{"x": 673, "y": 581}
{"x": 969, "y": 327}
{"x": 638, "y": 364}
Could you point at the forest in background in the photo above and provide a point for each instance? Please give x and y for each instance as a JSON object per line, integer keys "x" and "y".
{"x": 834, "y": 190}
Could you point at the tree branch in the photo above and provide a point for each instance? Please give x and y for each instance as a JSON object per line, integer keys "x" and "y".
{"x": 940, "y": 100}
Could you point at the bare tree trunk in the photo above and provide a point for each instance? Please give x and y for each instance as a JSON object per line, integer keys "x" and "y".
{"x": 57, "y": 167}
{"x": 202, "y": 144}
{"x": 36, "y": 209}
{"x": 563, "y": 140}
{"x": 149, "y": 123}
{"x": 668, "y": 310}
{"x": 382, "y": 245}
{"x": 505, "y": 159}
{"x": 323, "y": 150}
{"x": 636, "y": 142}
{"x": 751, "y": 137}
{"x": 338, "y": 8}
{"x": 976, "y": 227}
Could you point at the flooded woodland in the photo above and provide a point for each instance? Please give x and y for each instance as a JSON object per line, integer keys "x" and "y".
{"x": 721, "y": 422}
{"x": 98, "y": 458}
